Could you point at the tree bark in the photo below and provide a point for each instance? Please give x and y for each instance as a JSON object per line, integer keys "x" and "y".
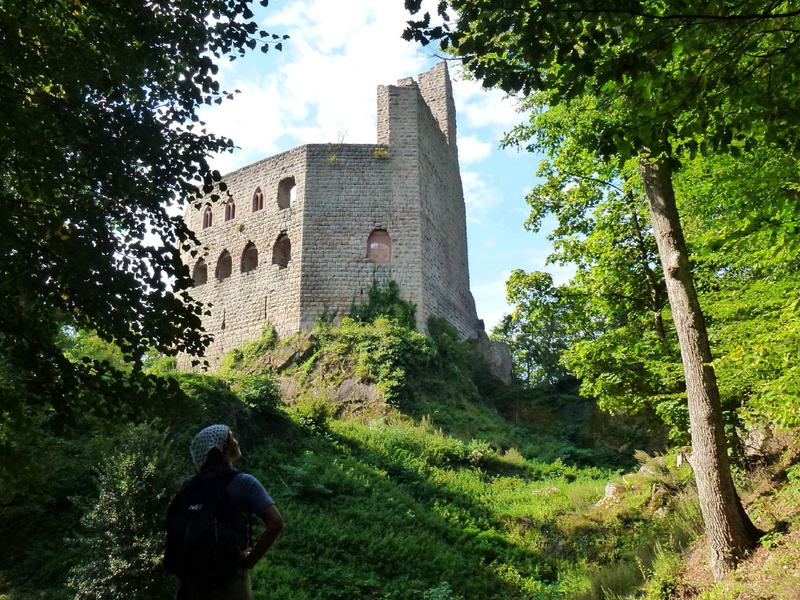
{"x": 729, "y": 531}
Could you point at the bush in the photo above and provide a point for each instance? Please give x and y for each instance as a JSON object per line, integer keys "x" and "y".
{"x": 385, "y": 301}
{"x": 383, "y": 352}
{"x": 122, "y": 540}
{"x": 250, "y": 356}
{"x": 313, "y": 412}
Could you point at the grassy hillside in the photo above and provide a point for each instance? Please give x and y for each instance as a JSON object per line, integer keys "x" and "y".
{"x": 403, "y": 472}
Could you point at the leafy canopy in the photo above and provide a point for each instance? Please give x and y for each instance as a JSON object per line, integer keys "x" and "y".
{"x": 678, "y": 73}
{"x": 99, "y": 131}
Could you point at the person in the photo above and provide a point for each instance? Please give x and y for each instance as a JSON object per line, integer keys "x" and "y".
{"x": 214, "y": 451}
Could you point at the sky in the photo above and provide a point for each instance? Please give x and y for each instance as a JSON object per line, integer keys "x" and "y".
{"x": 322, "y": 88}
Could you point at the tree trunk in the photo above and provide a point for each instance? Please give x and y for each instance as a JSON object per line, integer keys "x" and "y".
{"x": 729, "y": 531}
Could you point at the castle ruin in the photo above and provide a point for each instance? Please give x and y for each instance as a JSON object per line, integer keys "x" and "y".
{"x": 307, "y": 231}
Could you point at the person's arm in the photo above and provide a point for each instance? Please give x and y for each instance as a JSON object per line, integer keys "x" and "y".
{"x": 273, "y": 525}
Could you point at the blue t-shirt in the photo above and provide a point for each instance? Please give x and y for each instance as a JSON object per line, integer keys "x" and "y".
{"x": 248, "y": 495}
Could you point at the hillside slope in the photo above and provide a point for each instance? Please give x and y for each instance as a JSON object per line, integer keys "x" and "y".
{"x": 404, "y": 471}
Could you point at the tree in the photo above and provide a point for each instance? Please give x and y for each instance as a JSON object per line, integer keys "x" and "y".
{"x": 600, "y": 211}
{"x": 537, "y": 330}
{"x": 739, "y": 213}
{"x": 99, "y": 131}
{"x": 618, "y": 346}
{"x": 674, "y": 76}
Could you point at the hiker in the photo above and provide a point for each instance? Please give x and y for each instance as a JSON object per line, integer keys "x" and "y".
{"x": 208, "y": 523}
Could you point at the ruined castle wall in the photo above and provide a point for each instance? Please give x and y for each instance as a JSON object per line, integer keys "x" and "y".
{"x": 437, "y": 92}
{"x": 244, "y": 301}
{"x": 443, "y": 224}
{"x": 348, "y": 196}
{"x": 407, "y": 185}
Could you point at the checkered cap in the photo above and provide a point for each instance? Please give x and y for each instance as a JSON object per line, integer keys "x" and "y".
{"x": 213, "y": 436}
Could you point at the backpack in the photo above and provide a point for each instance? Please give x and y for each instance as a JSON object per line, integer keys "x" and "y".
{"x": 205, "y": 534}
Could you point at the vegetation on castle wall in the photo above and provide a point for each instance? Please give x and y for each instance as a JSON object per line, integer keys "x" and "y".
{"x": 383, "y": 300}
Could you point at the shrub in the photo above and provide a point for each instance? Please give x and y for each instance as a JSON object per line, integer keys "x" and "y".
{"x": 122, "y": 541}
{"x": 441, "y": 592}
{"x": 313, "y": 412}
{"x": 250, "y": 356}
{"x": 385, "y": 301}
{"x": 383, "y": 352}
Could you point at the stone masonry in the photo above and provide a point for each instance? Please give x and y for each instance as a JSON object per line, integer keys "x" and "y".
{"x": 308, "y": 231}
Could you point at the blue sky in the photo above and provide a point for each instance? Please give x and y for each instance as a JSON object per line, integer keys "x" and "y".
{"x": 322, "y": 87}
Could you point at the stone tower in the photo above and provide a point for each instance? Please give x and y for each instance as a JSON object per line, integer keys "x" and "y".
{"x": 309, "y": 230}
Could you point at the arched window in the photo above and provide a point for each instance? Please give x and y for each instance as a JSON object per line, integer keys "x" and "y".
{"x": 230, "y": 209}
{"x": 258, "y": 199}
{"x": 249, "y": 257}
{"x": 379, "y": 247}
{"x": 224, "y": 266}
{"x": 286, "y": 192}
{"x": 200, "y": 273}
{"x": 208, "y": 217}
{"x": 282, "y": 251}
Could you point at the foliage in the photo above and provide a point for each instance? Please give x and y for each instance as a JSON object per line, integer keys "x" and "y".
{"x": 383, "y": 300}
{"x": 313, "y": 412}
{"x": 538, "y": 329}
{"x": 755, "y": 327}
{"x": 446, "y": 341}
{"x": 453, "y": 357}
{"x": 77, "y": 344}
{"x": 97, "y": 499}
{"x": 659, "y": 82}
{"x": 628, "y": 371}
{"x": 112, "y": 396}
{"x": 747, "y": 275}
{"x": 440, "y": 592}
{"x": 389, "y": 508}
{"x": 250, "y": 356}
{"x": 697, "y": 76}
{"x": 99, "y": 132}
{"x": 428, "y": 508}
{"x": 121, "y": 544}
{"x": 382, "y": 351}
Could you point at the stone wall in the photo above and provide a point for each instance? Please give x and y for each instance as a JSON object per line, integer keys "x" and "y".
{"x": 407, "y": 186}
{"x": 444, "y": 227}
{"x": 242, "y": 303}
{"x": 348, "y": 196}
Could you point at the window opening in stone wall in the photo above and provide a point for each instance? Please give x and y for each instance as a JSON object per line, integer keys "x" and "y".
{"x": 230, "y": 210}
{"x": 379, "y": 247}
{"x": 249, "y": 258}
{"x": 200, "y": 273}
{"x": 282, "y": 251}
{"x": 208, "y": 218}
{"x": 286, "y": 192}
{"x": 258, "y": 200}
{"x": 224, "y": 266}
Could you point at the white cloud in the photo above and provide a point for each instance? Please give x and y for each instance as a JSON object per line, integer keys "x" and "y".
{"x": 482, "y": 108}
{"x": 324, "y": 81}
{"x": 471, "y": 149}
{"x": 479, "y": 196}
